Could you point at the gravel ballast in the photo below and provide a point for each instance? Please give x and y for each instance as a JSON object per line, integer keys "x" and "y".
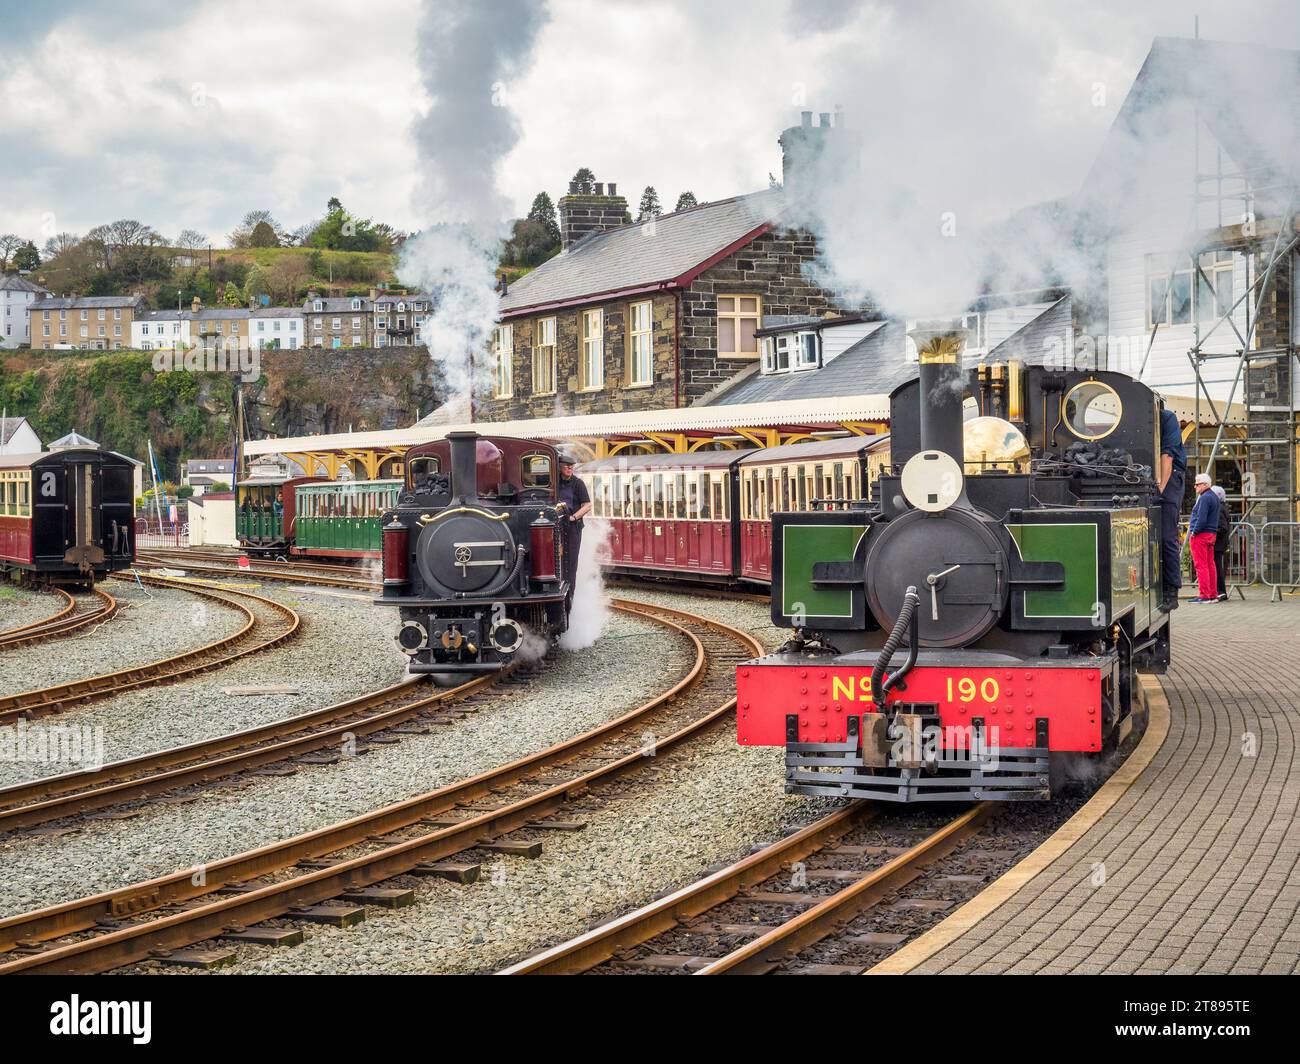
{"x": 18, "y": 605}
{"x": 577, "y": 691}
{"x": 343, "y": 648}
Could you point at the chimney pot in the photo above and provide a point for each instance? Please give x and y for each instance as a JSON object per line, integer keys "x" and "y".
{"x": 613, "y": 189}
{"x": 573, "y": 188}
{"x": 599, "y": 188}
{"x": 805, "y": 119}
{"x": 824, "y": 119}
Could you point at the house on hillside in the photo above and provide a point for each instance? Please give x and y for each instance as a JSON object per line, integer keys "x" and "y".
{"x": 97, "y": 323}
{"x": 16, "y": 297}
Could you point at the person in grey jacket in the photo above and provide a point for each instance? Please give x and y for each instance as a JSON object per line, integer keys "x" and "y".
{"x": 1221, "y": 540}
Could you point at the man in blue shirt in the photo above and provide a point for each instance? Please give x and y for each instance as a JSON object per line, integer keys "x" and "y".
{"x": 1201, "y": 533}
{"x": 1170, "y": 475}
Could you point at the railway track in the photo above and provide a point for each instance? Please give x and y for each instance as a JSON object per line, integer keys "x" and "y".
{"x": 298, "y": 877}
{"x": 73, "y": 615}
{"x": 287, "y": 572}
{"x": 169, "y": 772}
{"x": 782, "y": 909}
{"x": 187, "y": 556}
{"x": 267, "y": 623}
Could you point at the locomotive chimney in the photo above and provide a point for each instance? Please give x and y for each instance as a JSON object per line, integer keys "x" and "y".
{"x": 464, "y": 464}
{"x": 939, "y": 346}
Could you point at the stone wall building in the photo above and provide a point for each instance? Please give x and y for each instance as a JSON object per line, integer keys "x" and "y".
{"x": 100, "y": 323}
{"x": 641, "y": 316}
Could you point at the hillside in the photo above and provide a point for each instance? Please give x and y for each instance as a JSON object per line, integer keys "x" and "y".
{"x": 118, "y": 399}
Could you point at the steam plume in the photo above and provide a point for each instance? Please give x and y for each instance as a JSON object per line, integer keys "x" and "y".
{"x": 468, "y": 51}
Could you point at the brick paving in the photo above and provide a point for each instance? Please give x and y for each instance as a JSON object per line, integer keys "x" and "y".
{"x": 1196, "y": 869}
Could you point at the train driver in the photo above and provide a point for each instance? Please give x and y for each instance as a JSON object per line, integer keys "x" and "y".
{"x": 1171, "y": 471}
{"x": 577, "y": 501}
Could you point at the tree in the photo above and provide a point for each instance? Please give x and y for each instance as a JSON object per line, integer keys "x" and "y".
{"x": 530, "y": 244}
{"x": 287, "y": 277}
{"x": 685, "y": 200}
{"x": 232, "y": 296}
{"x": 543, "y": 211}
{"x": 257, "y": 283}
{"x": 191, "y": 240}
{"x": 649, "y": 204}
{"x": 584, "y": 179}
{"x": 9, "y": 243}
{"x": 341, "y": 232}
{"x": 60, "y": 243}
{"x": 27, "y": 257}
{"x": 242, "y": 237}
{"x": 263, "y": 236}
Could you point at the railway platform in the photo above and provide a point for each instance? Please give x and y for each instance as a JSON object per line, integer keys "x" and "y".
{"x": 1187, "y": 860}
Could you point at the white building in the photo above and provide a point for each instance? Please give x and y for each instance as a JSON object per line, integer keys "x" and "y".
{"x": 16, "y": 296}
{"x": 276, "y": 327}
{"x": 18, "y": 437}
{"x": 152, "y": 330}
{"x": 1182, "y": 167}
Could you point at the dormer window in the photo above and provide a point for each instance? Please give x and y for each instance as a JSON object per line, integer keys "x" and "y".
{"x": 807, "y": 350}
{"x": 401, "y": 307}
{"x": 318, "y": 305}
{"x": 790, "y": 351}
{"x": 356, "y": 304}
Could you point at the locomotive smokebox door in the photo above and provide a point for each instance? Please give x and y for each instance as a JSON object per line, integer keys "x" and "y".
{"x": 467, "y": 551}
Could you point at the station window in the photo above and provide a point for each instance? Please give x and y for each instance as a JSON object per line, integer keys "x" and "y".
{"x": 503, "y": 346}
{"x": 738, "y": 318}
{"x": 592, "y": 368}
{"x": 640, "y": 363}
{"x": 544, "y": 358}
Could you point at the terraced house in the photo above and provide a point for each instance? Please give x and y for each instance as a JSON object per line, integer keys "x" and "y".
{"x": 337, "y": 321}
{"x": 98, "y": 323}
{"x": 397, "y": 318}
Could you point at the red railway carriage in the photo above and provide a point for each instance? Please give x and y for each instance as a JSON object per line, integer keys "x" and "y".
{"x": 67, "y": 516}
{"x": 707, "y": 515}
{"x": 265, "y": 512}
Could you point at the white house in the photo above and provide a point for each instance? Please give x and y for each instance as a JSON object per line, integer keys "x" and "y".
{"x": 276, "y": 327}
{"x": 18, "y": 437}
{"x": 152, "y": 330}
{"x": 1184, "y": 166}
{"x": 16, "y": 296}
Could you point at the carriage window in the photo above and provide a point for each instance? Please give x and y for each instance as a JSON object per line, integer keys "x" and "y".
{"x": 535, "y": 471}
{"x": 593, "y": 489}
{"x": 638, "y": 496}
{"x": 679, "y": 495}
{"x": 769, "y": 494}
{"x": 802, "y": 482}
{"x": 692, "y": 499}
{"x": 606, "y": 500}
{"x": 616, "y": 497}
{"x": 24, "y": 499}
{"x": 719, "y": 508}
{"x": 658, "y": 495}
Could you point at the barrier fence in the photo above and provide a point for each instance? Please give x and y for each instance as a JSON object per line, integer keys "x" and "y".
{"x": 1279, "y": 556}
{"x": 147, "y": 535}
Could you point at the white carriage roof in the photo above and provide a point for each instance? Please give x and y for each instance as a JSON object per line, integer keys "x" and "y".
{"x": 816, "y": 411}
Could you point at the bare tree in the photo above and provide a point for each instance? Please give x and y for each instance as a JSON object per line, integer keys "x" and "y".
{"x": 9, "y": 243}
{"x": 287, "y": 276}
{"x": 191, "y": 240}
{"x": 58, "y": 244}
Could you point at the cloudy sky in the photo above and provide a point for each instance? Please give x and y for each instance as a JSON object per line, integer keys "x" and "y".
{"x": 188, "y": 114}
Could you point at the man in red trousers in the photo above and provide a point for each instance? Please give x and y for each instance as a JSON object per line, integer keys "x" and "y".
{"x": 1201, "y": 533}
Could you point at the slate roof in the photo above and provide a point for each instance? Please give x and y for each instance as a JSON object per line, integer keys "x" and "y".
{"x": 335, "y": 305}
{"x": 10, "y": 425}
{"x": 277, "y": 312}
{"x": 85, "y": 302}
{"x": 872, "y": 366}
{"x": 11, "y": 282}
{"x": 640, "y": 255}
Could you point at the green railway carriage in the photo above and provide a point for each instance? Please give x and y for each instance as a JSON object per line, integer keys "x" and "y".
{"x": 342, "y": 519}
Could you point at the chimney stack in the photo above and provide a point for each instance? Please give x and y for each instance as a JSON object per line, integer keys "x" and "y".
{"x": 810, "y": 153}
{"x": 584, "y": 213}
{"x": 196, "y": 305}
{"x": 939, "y": 348}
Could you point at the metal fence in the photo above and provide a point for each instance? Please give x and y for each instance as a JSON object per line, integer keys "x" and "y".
{"x": 167, "y": 536}
{"x": 1279, "y": 556}
{"x": 1242, "y": 557}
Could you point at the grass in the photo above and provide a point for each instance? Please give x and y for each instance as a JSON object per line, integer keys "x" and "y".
{"x": 382, "y": 263}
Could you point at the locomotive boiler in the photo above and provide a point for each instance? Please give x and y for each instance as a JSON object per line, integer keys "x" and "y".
{"x": 473, "y": 554}
{"x": 991, "y": 606}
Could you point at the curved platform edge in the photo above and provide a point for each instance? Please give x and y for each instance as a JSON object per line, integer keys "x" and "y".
{"x": 1005, "y": 886}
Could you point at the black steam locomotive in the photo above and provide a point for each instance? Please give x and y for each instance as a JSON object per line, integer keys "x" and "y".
{"x": 473, "y": 553}
{"x": 988, "y": 609}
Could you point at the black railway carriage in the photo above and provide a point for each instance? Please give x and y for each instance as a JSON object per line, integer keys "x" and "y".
{"x": 67, "y": 516}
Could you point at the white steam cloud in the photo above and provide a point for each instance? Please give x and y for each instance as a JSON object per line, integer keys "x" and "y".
{"x": 590, "y": 611}
{"x": 973, "y": 178}
{"x": 468, "y": 52}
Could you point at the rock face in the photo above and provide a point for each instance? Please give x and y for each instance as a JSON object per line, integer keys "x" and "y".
{"x": 312, "y": 390}
{"x": 123, "y": 399}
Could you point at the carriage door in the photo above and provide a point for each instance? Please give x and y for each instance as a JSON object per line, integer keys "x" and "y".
{"x": 84, "y": 532}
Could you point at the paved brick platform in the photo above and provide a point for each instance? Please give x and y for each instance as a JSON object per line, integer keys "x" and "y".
{"x": 1196, "y": 868}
